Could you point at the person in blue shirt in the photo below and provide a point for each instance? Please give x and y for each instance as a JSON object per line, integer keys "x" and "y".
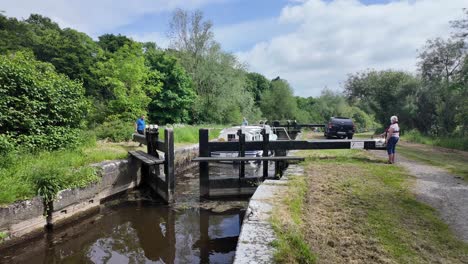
{"x": 245, "y": 122}
{"x": 140, "y": 125}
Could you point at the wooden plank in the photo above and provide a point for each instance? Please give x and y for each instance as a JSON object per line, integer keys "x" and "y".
{"x": 241, "y": 153}
{"x": 213, "y": 159}
{"x": 293, "y": 144}
{"x": 204, "y": 152}
{"x": 170, "y": 161}
{"x": 160, "y": 145}
{"x": 266, "y": 141}
{"x": 145, "y": 158}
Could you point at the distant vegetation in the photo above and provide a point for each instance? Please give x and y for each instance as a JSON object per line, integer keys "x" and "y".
{"x": 433, "y": 102}
{"x": 57, "y": 83}
{"x": 104, "y": 85}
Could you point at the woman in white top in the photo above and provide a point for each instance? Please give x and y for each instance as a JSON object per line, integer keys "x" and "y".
{"x": 393, "y": 135}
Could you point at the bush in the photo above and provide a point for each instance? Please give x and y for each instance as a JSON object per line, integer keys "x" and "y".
{"x": 39, "y": 108}
{"x": 115, "y": 131}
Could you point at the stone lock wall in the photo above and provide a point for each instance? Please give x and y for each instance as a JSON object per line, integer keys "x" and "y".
{"x": 26, "y": 218}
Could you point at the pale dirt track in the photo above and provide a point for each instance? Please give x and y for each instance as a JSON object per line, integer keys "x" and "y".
{"x": 440, "y": 189}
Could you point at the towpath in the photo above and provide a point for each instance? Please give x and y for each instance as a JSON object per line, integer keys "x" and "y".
{"x": 446, "y": 192}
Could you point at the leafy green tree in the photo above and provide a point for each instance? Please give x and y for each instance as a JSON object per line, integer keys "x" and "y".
{"x": 112, "y": 43}
{"x": 441, "y": 67}
{"x": 175, "y": 100}
{"x": 256, "y": 84}
{"x": 125, "y": 76}
{"x": 278, "y": 102}
{"x": 14, "y": 35}
{"x": 71, "y": 52}
{"x": 39, "y": 109}
{"x": 385, "y": 93}
{"x": 307, "y": 111}
{"x": 218, "y": 78}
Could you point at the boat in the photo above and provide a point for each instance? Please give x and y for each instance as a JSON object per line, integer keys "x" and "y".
{"x": 252, "y": 133}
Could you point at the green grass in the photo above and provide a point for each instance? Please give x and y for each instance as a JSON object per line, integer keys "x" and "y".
{"x": 453, "y": 142}
{"x": 24, "y": 175}
{"x": 3, "y": 235}
{"x": 410, "y": 231}
{"x": 184, "y": 134}
{"x": 290, "y": 244}
{"x": 454, "y": 162}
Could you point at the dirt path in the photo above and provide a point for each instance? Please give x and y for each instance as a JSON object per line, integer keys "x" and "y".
{"x": 444, "y": 191}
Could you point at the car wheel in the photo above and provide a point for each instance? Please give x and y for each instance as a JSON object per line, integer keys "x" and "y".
{"x": 350, "y": 137}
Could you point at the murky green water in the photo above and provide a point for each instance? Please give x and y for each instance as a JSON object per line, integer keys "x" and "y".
{"x": 139, "y": 229}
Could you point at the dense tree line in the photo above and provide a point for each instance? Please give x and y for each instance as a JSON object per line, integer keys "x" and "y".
{"x": 118, "y": 79}
{"x": 434, "y": 101}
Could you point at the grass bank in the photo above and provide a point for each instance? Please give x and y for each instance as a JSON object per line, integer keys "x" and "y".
{"x": 454, "y": 161}
{"x": 24, "y": 175}
{"x": 358, "y": 209}
{"x": 452, "y": 142}
{"x": 291, "y": 246}
{"x": 185, "y": 134}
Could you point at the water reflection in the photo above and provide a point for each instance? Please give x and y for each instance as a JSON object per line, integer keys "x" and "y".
{"x": 138, "y": 232}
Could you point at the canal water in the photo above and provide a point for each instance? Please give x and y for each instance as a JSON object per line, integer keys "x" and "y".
{"x": 140, "y": 229}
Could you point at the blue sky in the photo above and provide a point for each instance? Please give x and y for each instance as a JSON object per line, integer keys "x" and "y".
{"x": 311, "y": 43}
{"x": 222, "y": 13}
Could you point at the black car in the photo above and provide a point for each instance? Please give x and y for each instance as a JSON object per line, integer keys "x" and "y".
{"x": 339, "y": 127}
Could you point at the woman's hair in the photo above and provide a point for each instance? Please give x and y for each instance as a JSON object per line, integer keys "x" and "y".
{"x": 394, "y": 119}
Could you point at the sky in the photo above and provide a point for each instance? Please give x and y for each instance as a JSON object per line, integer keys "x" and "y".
{"x": 311, "y": 43}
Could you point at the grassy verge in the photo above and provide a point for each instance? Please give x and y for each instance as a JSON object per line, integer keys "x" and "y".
{"x": 452, "y": 142}
{"x": 24, "y": 175}
{"x": 455, "y": 162}
{"x": 184, "y": 134}
{"x": 287, "y": 223}
{"x": 358, "y": 209}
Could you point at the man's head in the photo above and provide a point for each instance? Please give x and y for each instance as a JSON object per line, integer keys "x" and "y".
{"x": 142, "y": 117}
{"x": 393, "y": 119}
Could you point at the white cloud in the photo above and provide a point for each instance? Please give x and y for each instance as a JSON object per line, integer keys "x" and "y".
{"x": 331, "y": 39}
{"x": 94, "y": 16}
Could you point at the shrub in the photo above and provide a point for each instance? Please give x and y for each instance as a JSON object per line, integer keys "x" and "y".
{"x": 115, "y": 131}
{"x": 39, "y": 108}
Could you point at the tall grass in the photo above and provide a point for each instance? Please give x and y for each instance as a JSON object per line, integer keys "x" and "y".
{"x": 453, "y": 142}
{"x": 189, "y": 134}
{"x": 24, "y": 175}
{"x": 290, "y": 245}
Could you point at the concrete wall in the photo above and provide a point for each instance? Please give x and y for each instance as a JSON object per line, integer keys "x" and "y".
{"x": 24, "y": 218}
{"x": 256, "y": 237}
{"x": 117, "y": 176}
{"x": 183, "y": 158}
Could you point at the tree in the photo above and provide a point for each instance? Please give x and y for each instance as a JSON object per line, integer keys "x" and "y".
{"x": 71, "y": 52}
{"x": 461, "y": 26}
{"x": 189, "y": 33}
{"x": 385, "y": 93}
{"x": 125, "y": 76}
{"x": 441, "y": 66}
{"x": 256, "y": 84}
{"x": 39, "y": 108}
{"x": 175, "y": 100}
{"x": 279, "y": 103}
{"x": 112, "y": 43}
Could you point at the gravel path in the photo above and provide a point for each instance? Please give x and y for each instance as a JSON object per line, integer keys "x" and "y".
{"x": 438, "y": 188}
